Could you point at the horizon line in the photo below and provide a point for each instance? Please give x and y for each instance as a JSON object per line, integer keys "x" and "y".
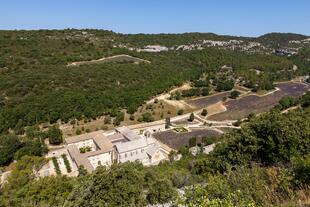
{"x": 139, "y": 33}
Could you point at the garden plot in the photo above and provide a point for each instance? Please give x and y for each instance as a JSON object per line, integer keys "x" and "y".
{"x": 185, "y": 122}
{"x": 178, "y": 140}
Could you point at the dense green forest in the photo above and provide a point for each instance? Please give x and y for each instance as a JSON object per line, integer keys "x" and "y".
{"x": 36, "y": 85}
{"x": 170, "y": 40}
{"x": 279, "y": 39}
{"x": 266, "y": 163}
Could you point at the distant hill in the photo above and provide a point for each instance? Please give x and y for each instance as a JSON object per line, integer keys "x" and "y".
{"x": 177, "y": 39}
{"x": 279, "y": 39}
{"x": 273, "y": 40}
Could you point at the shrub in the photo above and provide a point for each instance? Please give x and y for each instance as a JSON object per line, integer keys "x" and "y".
{"x": 180, "y": 179}
{"x": 119, "y": 118}
{"x": 66, "y": 161}
{"x": 191, "y": 117}
{"x": 85, "y": 149}
{"x": 180, "y": 112}
{"x": 107, "y": 120}
{"x": 305, "y": 100}
{"x": 200, "y": 83}
{"x": 286, "y": 102}
{"x": 210, "y": 140}
{"x": 204, "y": 112}
{"x": 167, "y": 123}
{"x": 192, "y": 142}
{"x": 178, "y": 96}
{"x": 31, "y": 148}
{"x": 73, "y": 122}
{"x": 9, "y": 146}
{"x": 54, "y": 135}
{"x": 234, "y": 94}
{"x": 78, "y": 132}
{"x": 224, "y": 85}
{"x": 205, "y": 91}
{"x": 56, "y": 165}
{"x": 237, "y": 123}
{"x": 301, "y": 170}
{"x": 33, "y": 132}
{"x": 132, "y": 117}
{"x": 161, "y": 191}
{"x": 191, "y": 92}
{"x": 147, "y": 117}
{"x": 250, "y": 116}
{"x": 104, "y": 127}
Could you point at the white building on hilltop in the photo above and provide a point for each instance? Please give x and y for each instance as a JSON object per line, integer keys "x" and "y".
{"x": 153, "y": 48}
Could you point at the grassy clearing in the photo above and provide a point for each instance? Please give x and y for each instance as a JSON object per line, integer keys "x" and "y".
{"x": 159, "y": 110}
{"x": 112, "y": 59}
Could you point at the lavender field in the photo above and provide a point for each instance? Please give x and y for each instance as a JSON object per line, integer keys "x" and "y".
{"x": 241, "y": 108}
{"x": 178, "y": 140}
{"x": 208, "y": 100}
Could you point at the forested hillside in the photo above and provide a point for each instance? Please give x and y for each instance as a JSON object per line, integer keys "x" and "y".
{"x": 280, "y": 39}
{"x": 36, "y": 85}
{"x": 170, "y": 40}
{"x": 266, "y": 163}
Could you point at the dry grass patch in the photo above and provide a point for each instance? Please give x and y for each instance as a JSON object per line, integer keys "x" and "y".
{"x": 113, "y": 59}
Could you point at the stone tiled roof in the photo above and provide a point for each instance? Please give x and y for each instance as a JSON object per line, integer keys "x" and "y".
{"x": 103, "y": 143}
{"x": 152, "y": 150}
{"x": 115, "y": 137}
{"x": 135, "y": 144}
{"x": 79, "y": 159}
{"x": 127, "y": 133}
{"x": 131, "y": 145}
{"x": 83, "y": 137}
